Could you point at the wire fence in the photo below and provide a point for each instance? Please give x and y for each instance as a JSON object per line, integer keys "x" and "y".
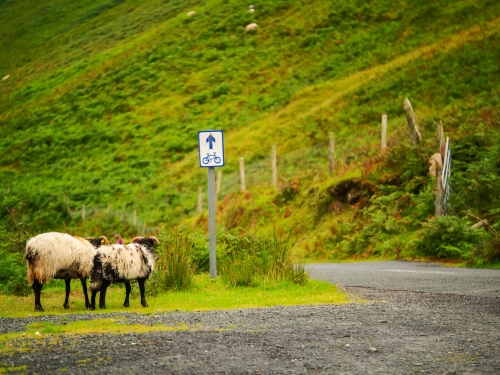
{"x": 317, "y": 160}
{"x": 131, "y": 218}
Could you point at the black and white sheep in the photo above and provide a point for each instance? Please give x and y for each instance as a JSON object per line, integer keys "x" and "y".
{"x": 56, "y": 255}
{"x": 123, "y": 263}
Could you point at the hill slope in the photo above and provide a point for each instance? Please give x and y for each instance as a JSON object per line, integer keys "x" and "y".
{"x": 105, "y": 99}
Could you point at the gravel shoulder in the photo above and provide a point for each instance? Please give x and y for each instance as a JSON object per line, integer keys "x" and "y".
{"x": 391, "y": 332}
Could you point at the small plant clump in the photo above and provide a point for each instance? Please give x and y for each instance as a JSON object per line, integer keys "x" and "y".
{"x": 248, "y": 260}
{"x": 176, "y": 263}
{"x": 13, "y": 237}
{"x": 242, "y": 259}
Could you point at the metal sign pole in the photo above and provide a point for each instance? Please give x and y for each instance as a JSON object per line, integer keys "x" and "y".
{"x": 211, "y": 154}
{"x": 211, "y": 222}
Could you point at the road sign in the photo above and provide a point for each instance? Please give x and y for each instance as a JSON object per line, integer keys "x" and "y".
{"x": 211, "y": 154}
{"x": 211, "y": 148}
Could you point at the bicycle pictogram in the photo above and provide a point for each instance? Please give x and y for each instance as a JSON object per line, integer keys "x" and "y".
{"x": 211, "y": 157}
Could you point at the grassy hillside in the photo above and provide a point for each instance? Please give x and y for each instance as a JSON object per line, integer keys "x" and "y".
{"x": 105, "y": 99}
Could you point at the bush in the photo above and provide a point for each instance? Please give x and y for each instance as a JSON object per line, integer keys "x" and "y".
{"x": 490, "y": 252}
{"x": 449, "y": 237}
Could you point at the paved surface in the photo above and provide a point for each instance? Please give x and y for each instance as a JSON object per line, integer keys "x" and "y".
{"x": 411, "y": 276}
{"x": 454, "y": 330}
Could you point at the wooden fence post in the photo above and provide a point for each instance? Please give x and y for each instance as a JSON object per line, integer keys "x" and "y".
{"x": 218, "y": 184}
{"x": 383, "y": 137}
{"x": 331, "y": 152}
{"x": 242, "y": 174}
{"x": 135, "y": 218}
{"x": 274, "y": 165}
{"x": 83, "y": 212}
{"x": 199, "y": 206}
{"x": 439, "y": 192}
{"x": 109, "y": 210}
{"x": 415, "y": 135}
{"x": 440, "y": 136}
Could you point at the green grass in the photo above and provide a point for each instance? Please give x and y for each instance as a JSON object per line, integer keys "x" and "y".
{"x": 14, "y": 370}
{"x": 112, "y": 94}
{"x": 102, "y": 108}
{"x": 208, "y": 294}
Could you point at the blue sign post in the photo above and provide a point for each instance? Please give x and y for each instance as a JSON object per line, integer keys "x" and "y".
{"x": 211, "y": 155}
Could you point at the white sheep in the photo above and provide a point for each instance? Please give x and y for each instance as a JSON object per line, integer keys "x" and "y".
{"x": 192, "y": 13}
{"x": 6, "y": 77}
{"x": 56, "y": 255}
{"x": 251, "y": 10}
{"x": 251, "y": 27}
{"x": 122, "y": 263}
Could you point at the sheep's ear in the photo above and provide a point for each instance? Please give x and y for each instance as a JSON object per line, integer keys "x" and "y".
{"x": 155, "y": 240}
{"x": 137, "y": 238}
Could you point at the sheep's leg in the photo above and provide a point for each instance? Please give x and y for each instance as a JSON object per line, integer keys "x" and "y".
{"x": 142, "y": 289}
{"x": 127, "y": 293}
{"x": 102, "y": 296}
{"x": 37, "y": 289}
{"x": 92, "y": 298}
{"x": 84, "y": 287}
{"x": 68, "y": 289}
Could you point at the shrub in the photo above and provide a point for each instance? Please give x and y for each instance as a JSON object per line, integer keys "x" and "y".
{"x": 490, "y": 252}
{"x": 287, "y": 191}
{"x": 449, "y": 237}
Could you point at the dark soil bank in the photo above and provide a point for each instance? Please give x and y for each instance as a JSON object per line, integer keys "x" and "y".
{"x": 403, "y": 332}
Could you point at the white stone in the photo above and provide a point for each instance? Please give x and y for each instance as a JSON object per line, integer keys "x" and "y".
{"x": 251, "y": 27}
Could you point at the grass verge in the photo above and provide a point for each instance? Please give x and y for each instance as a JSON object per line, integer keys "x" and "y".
{"x": 207, "y": 294}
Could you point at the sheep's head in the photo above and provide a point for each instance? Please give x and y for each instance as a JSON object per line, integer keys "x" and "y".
{"x": 150, "y": 241}
{"x": 96, "y": 242}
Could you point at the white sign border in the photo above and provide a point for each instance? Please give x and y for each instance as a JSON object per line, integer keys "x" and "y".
{"x": 199, "y": 149}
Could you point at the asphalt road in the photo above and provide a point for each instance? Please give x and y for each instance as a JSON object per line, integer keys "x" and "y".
{"x": 410, "y": 276}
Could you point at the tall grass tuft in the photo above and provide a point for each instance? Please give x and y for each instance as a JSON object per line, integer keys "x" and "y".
{"x": 246, "y": 259}
{"x": 175, "y": 265}
{"x": 13, "y": 239}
